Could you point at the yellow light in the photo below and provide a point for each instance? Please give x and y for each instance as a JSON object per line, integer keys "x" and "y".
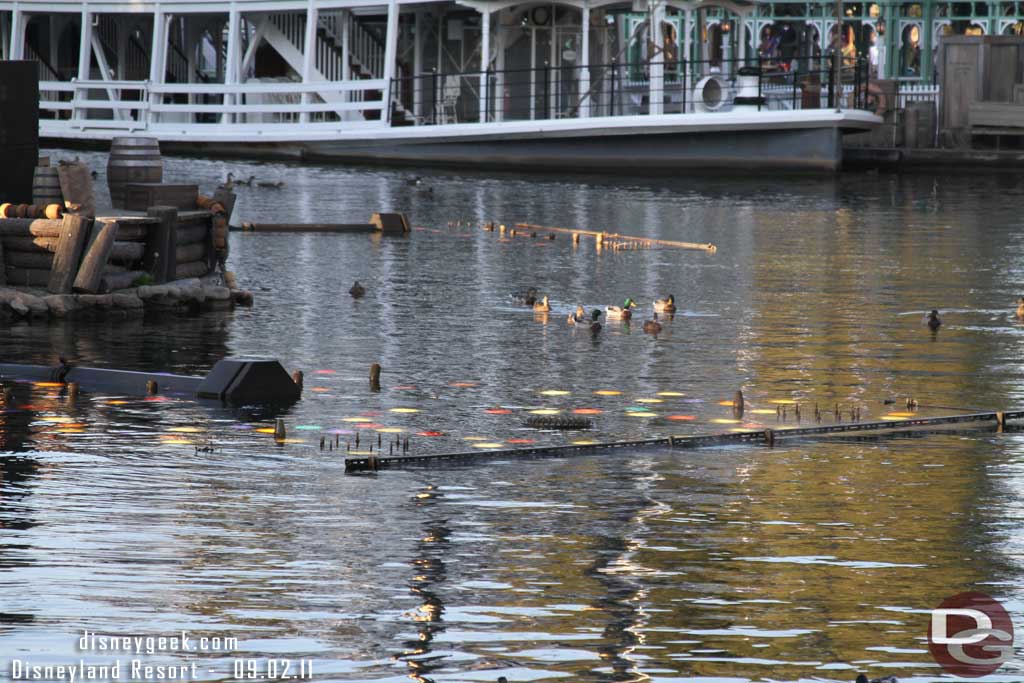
{"x": 584, "y": 442}
{"x": 405, "y": 410}
{"x": 353, "y": 419}
{"x": 902, "y": 414}
{"x": 390, "y": 430}
{"x": 762, "y": 411}
{"x": 47, "y": 384}
{"x": 265, "y": 430}
{"x": 893, "y": 418}
{"x": 783, "y": 401}
{"x": 546, "y": 411}
{"x": 649, "y": 400}
{"x": 725, "y": 421}
{"x": 607, "y": 392}
{"x": 188, "y": 430}
{"x": 488, "y": 444}
{"x": 641, "y": 414}
{"x": 178, "y": 442}
{"x": 554, "y": 392}
{"x": 57, "y": 420}
{"x": 671, "y": 393}
{"x": 474, "y": 438}
{"x": 117, "y": 403}
{"x": 69, "y": 430}
{"x": 360, "y": 453}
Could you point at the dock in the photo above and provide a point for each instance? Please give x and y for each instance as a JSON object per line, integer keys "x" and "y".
{"x": 764, "y": 437}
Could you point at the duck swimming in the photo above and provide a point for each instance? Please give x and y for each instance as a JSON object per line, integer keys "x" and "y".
{"x": 528, "y": 298}
{"x": 542, "y": 305}
{"x": 1020, "y": 308}
{"x": 247, "y": 183}
{"x": 357, "y": 290}
{"x": 578, "y": 316}
{"x": 932, "y": 320}
{"x": 595, "y": 326}
{"x": 652, "y": 326}
{"x": 622, "y": 312}
{"x": 277, "y": 185}
{"x": 665, "y": 305}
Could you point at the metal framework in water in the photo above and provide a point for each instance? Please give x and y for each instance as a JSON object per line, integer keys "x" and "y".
{"x": 767, "y": 437}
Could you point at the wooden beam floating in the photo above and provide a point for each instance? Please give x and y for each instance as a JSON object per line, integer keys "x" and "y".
{"x": 603, "y": 236}
{"x": 768, "y": 437}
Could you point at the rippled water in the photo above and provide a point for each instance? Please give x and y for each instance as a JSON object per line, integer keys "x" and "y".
{"x": 804, "y": 562}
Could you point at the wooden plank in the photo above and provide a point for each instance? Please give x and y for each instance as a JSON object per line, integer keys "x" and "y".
{"x": 191, "y": 269}
{"x": 26, "y": 259}
{"x": 307, "y": 227}
{"x": 95, "y": 260}
{"x": 708, "y": 247}
{"x": 127, "y": 252}
{"x": 36, "y": 245}
{"x": 29, "y": 227}
{"x": 191, "y": 252}
{"x": 26, "y": 277}
{"x": 159, "y": 258}
{"x": 996, "y": 114}
{"x": 111, "y": 282}
{"x": 73, "y": 233}
{"x": 191, "y": 234}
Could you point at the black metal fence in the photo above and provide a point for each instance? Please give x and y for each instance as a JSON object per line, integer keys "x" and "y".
{"x": 623, "y": 89}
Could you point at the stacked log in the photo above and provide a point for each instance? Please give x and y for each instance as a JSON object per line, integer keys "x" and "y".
{"x": 29, "y": 246}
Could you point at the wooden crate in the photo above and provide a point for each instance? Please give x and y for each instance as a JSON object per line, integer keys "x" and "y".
{"x": 141, "y": 196}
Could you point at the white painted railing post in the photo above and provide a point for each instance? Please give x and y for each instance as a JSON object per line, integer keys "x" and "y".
{"x": 417, "y": 66}
{"x": 84, "y": 62}
{"x": 656, "y": 93}
{"x": 156, "y": 76}
{"x": 308, "y": 55}
{"x": 17, "y": 33}
{"x": 584, "y": 59}
{"x": 485, "y": 59}
{"x": 390, "y": 55}
{"x": 231, "y": 69}
{"x": 687, "y": 50}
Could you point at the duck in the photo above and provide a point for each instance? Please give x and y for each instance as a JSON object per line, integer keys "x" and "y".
{"x": 227, "y": 184}
{"x": 276, "y": 184}
{"x": 652, "y": 326}
{"x": 665, "y": 305}
{"x": 861, "y": 678}
{"x": 932, "y": 320}
{"x": 595, "y": 326}
{"x": 578, "y": 316}
{"x": 1020, "y": 308}
{"x": 357, "y": 290}
{"x": 620, "y": 312}
{"x": 247, "y": 183}
{"x": 542, "y": 305}
{"x": 414, "y": 181}
{"x": 527, "y": 298}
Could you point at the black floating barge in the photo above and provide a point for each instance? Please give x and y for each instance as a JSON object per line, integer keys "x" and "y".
{"x": 766, "y": 437}
{"x": 237, "y": 381}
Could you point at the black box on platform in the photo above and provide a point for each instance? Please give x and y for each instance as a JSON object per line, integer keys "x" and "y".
{"x": 19, "y": 129}
{"x": 141, "y": 196}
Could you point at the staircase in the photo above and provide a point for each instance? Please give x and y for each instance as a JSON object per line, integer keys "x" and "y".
{"x": 286, "y": 33}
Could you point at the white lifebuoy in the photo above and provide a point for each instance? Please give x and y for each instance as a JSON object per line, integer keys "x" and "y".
{"x": 712, "y": 93}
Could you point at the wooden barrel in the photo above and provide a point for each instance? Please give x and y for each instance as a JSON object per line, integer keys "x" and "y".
{"x": 132, "y": 160}
{"x": 46, "y": 186}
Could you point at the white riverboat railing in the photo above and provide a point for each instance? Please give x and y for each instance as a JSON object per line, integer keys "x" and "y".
{"x": 139, "y": 106}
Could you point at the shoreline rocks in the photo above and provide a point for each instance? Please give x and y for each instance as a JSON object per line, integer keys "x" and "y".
{"x": 188, "y": 296}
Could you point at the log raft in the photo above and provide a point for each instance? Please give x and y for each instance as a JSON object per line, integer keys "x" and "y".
{"x": 767, "y": 437}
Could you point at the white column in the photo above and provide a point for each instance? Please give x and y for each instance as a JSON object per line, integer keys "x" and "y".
{"x": 85, "y": 46}
{"x": 417, "y": 66}
{"x": 231, "y": 68}
{"x": 346, "y": 46}
{"x": 656, "y": 93}
{"x": 584, "y": 59}
{"x": 485, "y": 60}
{"x": 742, "y": 47}
{"x": 17, "y": 39}
{"x": 84, "y": 61}
{"x": 309, "y": 55}
{"x": 390, "y": 54}
{"x": 156, "y": 62}
{"x": 687, "y": 51}
{"x": 499, "y": 76}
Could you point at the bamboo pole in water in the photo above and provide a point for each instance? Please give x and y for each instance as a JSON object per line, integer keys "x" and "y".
{"x": 710, "y": 248}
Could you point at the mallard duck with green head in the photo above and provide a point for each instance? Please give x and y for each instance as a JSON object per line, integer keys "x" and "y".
{"x": 622, "y": 312}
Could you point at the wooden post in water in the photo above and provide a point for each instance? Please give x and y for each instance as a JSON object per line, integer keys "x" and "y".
{"x": 375, "y": 377}
{"x": 299, "y": 378}
{"x": 95, "y": 260}
{"x": 74, "y": 230}
{"x": 737, "y": 404}
{"x": 160, "y": 257}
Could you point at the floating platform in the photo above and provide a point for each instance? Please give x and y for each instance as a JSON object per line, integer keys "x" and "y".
{"x": 232, "y": 380}
{"x": 767, "y": 437}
